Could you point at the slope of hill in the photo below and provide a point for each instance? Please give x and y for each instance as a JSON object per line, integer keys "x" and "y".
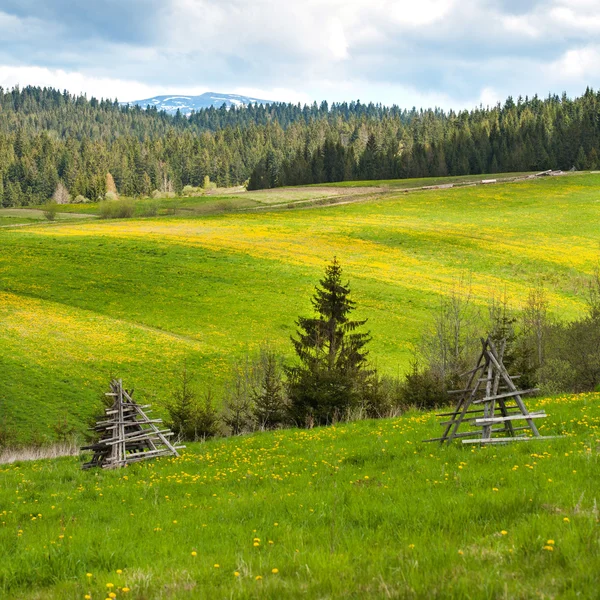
{"x": 356, "y": 510}
{"x": 82, "y": 302}
{"x": 188, "y": 104}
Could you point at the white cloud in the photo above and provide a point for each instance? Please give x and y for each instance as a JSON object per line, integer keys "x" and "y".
{"x": 337, "y": 40}
{"x": 579, "y": 20}
{"x": 76, "y": 83}
{"x": 579, "y": 64}
{"x": 450, "y": 53}
{"x": 489, "y": 97}
{"x": 418, "y": 13}
{"x": 520, "y": 25}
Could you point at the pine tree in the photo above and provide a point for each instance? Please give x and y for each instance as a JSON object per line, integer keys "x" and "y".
{"x": 332, "y": 354}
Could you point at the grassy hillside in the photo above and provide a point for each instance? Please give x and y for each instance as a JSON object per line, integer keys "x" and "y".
{"x": 81, "y": 301}
{"x": 357, "y": 510}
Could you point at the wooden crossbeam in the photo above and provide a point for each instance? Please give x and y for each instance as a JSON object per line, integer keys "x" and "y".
{"x": 513, "y": 417}
{"x": 510, "y": 394}
{"x": 508, "y": 440}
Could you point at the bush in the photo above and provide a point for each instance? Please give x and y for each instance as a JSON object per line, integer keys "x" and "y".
{"x": 111, "y": 196}
{"x": 81, "y": 199}
{"x": 237, "y": 414}
{"x": 182, "y": 408}
{"x": 270, "y": 405}
{"x": 50, "y": 211}
{"x": 116, "y": 209}
{"x": 423, "y": 389}
{"x": 149, "y": 208}
{"x": 207, "y": 419}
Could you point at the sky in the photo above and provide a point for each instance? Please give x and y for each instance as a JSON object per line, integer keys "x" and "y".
{"x": 423, "y": 53}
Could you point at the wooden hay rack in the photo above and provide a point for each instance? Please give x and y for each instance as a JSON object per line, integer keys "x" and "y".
{"x": 127, "y": 433}
{"x": 492, "y": 404}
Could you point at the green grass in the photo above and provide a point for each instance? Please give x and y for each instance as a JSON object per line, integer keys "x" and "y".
{"x": 23, "y": 216}
{"x": 83, "y": 301}
{"x": 356, "y": 510}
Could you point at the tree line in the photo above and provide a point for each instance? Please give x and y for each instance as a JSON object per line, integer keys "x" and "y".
{"x": 49, "y": 137}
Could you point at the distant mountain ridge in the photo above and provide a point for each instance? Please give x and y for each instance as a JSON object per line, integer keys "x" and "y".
{"x": 186, "y": 104}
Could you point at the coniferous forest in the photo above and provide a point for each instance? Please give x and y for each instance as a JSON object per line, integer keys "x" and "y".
{"x": 49, "y": 137}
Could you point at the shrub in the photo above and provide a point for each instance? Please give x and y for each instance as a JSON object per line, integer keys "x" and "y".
{"x": 207, "y": 420}
{"x": 81, "y": 199}
{"x": 237, "y": 414}
{"x": 182, "y": 408}
{"x": 268, "y": 391}
{"x": 423, "y": 389}
{"x": 50, "y": 211}
{"x": 149, "y": 208}
{"x": 111, "y": 196}
{"x": 116, "y": 209}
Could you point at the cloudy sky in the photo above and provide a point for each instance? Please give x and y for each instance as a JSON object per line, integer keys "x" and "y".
{"x": 448, "y": 53}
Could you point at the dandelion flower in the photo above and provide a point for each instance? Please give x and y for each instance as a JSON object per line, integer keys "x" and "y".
{"x": 125, "y": 590}
{"x": 550, "y": 542}
{"x": 110, "y": 585}
{"x": 549, "y": 548}
{"x": 237, "y": 574}
{"x": 119, "y": 571}
{"x": 217, "y": 566}
{"x": 258, "y": 577}
{"x": 504, "y": 532}
{"x": 88, "y": 575}
{"x": 274, "y": 571}
{"x": 566, "y": 520}
{"x": 194, "y": 553}
{"x": 411, "y": 546}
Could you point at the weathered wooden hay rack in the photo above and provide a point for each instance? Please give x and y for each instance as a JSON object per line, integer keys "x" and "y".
{"x": 127, "y": 434}
{"x": 491, "y": 403}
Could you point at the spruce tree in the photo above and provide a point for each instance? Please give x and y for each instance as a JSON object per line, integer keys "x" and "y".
{"x": 332, "y": 353}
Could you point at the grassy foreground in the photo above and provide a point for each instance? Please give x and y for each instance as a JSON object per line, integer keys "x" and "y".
{"x": 83, "y": 301}
{"x": 357, "y": 510}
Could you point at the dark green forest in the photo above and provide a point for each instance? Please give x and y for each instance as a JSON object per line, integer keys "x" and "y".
{"x": 48, "y": 136}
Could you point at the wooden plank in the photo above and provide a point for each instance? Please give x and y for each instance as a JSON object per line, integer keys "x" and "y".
{"x": 507, "y": 440}
{"x": 451, "y": 414}
{"x": 506, "y": 395}
{"x": 476, "y": 419}
{"x": 475, "y": 432}
{"x": 494, "y": 420}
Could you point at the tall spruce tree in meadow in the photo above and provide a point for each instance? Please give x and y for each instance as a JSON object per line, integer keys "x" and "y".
{"x": 332, "y": 353}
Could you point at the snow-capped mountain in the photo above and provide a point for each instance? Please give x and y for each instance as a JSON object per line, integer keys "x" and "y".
{"x": 187, "y": 104}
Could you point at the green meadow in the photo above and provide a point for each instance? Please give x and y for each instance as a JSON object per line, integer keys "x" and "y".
{"x": 82, "y": 300}
{"x": 352, "y": 511}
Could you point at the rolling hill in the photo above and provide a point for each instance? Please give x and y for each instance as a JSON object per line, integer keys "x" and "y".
{"x": 86, "y": 300}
